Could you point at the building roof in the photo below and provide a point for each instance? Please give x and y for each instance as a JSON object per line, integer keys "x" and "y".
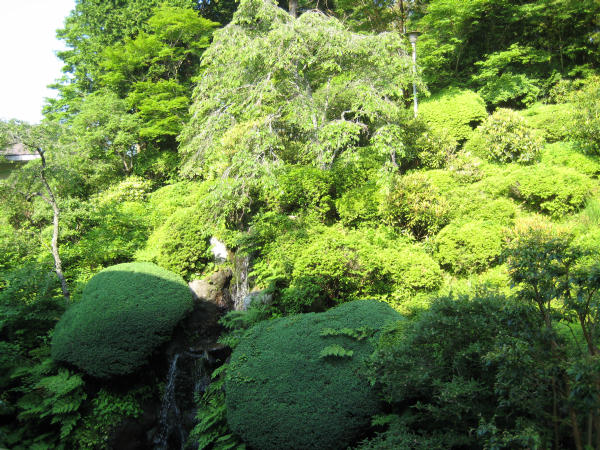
{"x": 18, "y": 152}
{"x": 17, "y": 149}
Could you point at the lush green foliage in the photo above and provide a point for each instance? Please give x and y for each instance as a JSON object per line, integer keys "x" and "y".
{"x": 125, "y": 312}
{"x": 556, "y": 191}
{"x": 505, "y": 137}
{"x": 468, "y": 247}
{"x": 585, "y": 122}
{"x": 302, "y": 155}
{"x": 552, "y": 120}
{"x": 455, "y": 367}
{"x": 503, "y": 80}
{"x": 412, "y": 202}
{"x": 180, "y": 244}
{"x": 321, "y": 94}
{"x": 320, "y": 267}
{"x": 566, "y": 154}
{"x": 281, "y": 393}
{"x": 454, "y": 111}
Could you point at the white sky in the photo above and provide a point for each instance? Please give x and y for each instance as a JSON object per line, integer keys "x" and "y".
{"x": 28, "y": 63}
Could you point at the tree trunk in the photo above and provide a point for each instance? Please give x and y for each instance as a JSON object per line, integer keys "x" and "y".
{"x": 49, "y": 198}
{"x": 293, "y": 8}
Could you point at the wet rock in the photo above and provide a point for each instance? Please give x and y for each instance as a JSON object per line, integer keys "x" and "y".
{"x": 219, "y": 250}
{"x": 214, "y": 288}
{"x": 256, "y": 298}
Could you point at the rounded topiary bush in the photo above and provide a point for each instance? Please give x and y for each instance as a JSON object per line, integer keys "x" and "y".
{"x": 295, "y": 382}
{"x": 552, "y": 190}
{"x": 126, "y": 311}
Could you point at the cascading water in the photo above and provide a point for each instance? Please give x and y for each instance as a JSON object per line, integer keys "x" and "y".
{"x": 174, "y": 423}
{"x": 170, "y": 416}
{"x": 240, "y": 289}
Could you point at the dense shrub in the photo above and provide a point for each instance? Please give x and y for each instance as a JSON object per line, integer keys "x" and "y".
{"x": 466, "y": 167}
{"x": 414, "y": 203}
{"x": 359, "y": 205}
{"x": 584, "y": 126}
{"x": 506, "y": 137}
{"x": 453, "y": 111}
{"x": 412, "y": 145}
{"x": 180, "y": 244}
{"x": 483, "y": 208}
{"x": 165, "y": 201}
{"x": 125, "y": 312}
{"x": 556, "y": 191}
{"x": 302, "y": 188}
{"x": 463, "y": 365}
{"x": 317, "y": 268}
{"x": 551, "y": 120}
{"x": 295, "y": 382}
{"x": 468, "y": 247}
{"x": 565, "y": 154}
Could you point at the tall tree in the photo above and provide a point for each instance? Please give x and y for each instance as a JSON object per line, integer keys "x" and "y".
{"x": 38, "y": 139}
{"x": 274, "y": 90}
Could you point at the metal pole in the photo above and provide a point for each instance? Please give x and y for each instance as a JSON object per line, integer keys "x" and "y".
{"x": 413, "y": 42}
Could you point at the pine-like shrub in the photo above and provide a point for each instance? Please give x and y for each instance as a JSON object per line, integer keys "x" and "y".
{"x": 469, "y": 247}
{"x": 295, "y": 382}
{"x": 126, "y": 311}
{"x": 454, "y": 112}
{"x": 506, "y": 137}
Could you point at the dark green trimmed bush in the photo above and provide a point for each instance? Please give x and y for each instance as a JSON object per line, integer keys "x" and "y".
{"x": 295, "y": 383}
{"x": 453, "y": 111}
{"x": 126, "y": 311}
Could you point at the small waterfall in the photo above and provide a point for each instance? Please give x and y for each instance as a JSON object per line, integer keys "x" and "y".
{"x": 174, "y": 425}
{"x": 240, "y": 289}
{"x": 202, "y": 371}
{"x": 170, "y": 416}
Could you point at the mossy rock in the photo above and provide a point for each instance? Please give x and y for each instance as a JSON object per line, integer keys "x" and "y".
{"x": 126, "y": 311}
{"x": 295, "y": 382}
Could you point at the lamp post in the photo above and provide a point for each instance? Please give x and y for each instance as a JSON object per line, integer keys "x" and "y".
{"x": 412, "y": 37}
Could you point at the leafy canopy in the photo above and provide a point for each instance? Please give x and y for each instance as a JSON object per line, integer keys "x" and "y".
{"x": 275, "y": 89}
